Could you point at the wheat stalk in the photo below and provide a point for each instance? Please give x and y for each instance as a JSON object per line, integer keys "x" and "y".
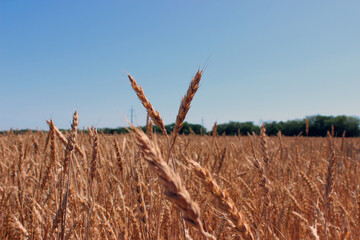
{"x": 155, "y": 115}
{"x": 119, "y": 159}
{"x": 65, "y": 142}
{"x": 95, "y": 149}
{"x": 224, "y": 201}
{"x": 185, "y": 104}
{"x": 175, "y": 190}
{"x": 67, "y": 164}
{"x": 52, "y": 155}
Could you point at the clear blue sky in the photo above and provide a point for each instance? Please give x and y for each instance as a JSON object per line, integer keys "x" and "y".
{"x": 265, "y": 60}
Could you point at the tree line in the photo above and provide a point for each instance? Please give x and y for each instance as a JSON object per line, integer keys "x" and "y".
{"x": 314, "y": 126}
{"x": 187, "y": 128}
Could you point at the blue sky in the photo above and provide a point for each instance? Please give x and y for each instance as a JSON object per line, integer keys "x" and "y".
{"x": 265, "y": 60}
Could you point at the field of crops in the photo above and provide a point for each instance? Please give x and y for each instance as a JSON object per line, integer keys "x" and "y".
{"x": 96, "y": 186}
{"x": 88, "y": 185}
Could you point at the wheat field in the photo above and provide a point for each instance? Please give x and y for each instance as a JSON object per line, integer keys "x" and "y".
{"x": 87, "y": 185}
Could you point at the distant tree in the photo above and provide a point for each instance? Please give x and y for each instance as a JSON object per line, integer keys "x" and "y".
{"x": 196, "y": 128}
{"x": 320, "y": 125}
{"x": 272, "y": 128}
{"x": 233, "y": 128}
{"x": 292, "y": 127}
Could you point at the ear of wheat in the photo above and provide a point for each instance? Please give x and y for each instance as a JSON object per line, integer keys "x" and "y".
{"x": 185, "y": 103}
{"x": 175, "y": 190}
{"x": 224, "y": 201}
{"x": 155, "y": 115}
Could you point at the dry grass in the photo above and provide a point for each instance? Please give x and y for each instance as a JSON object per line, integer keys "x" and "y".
{"x": 81, "y": 185}
{"x": 312, "y": 187}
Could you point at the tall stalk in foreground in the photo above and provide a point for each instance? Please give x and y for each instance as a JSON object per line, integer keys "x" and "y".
{"x": 224, "y": 201}
{"x": 175, "y": 189}
{"x": 67, "y": 164}
{"x": 185, "y": 105}
{"x": 155, "y": 115}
